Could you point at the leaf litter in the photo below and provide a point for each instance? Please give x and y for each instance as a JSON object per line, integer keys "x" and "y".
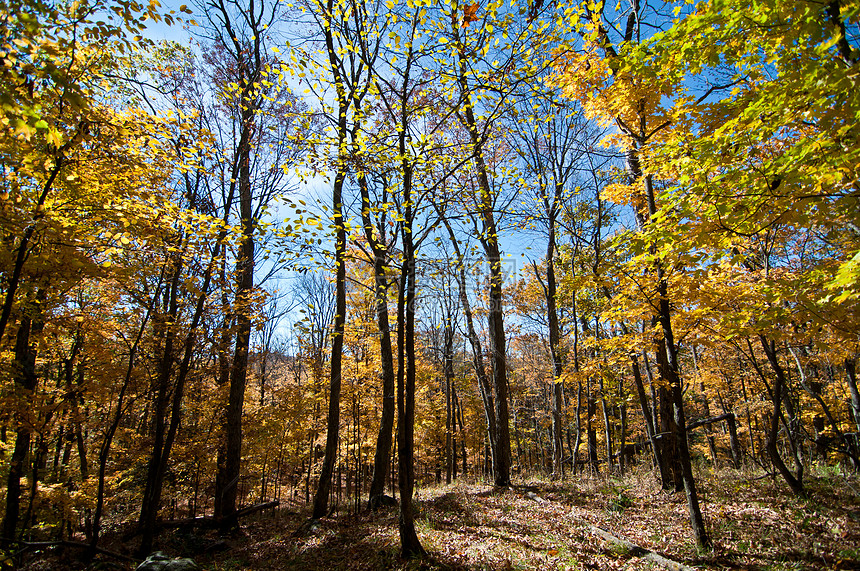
{"x": 755, "y": 525}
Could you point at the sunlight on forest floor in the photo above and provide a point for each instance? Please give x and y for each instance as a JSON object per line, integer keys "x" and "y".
{"x": 755, "y": 525}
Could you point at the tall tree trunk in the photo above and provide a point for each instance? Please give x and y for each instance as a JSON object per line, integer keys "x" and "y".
{"x": 333, "y": 423}
{"x": 851, "y": 377}
{"x": 167, "y": 323}
{"x": 706, "y": 409}
{"x": 409, "y": 542}
{"x": 484, "y": 387}
{"x": 590, "y": 430}
{"x": 243, "y": 303}
{"x": 23, "y": 250}
{"x": 753, "y": 449}
{"x": 574, "y": 453}
{"x": 792, "y": 427}
{"x": 410, "y": 546}
{"x": 448, "y": 369}
{"x": 607, "y": 425}
{"x": 178, "y": 393}
{"x": 649, "y": 420}
{"x": 462, "y": 433}
{"x": 119, "y": 412}
{"x": 733, "y": 441}
{"x": 550, "y": 292}
{"x": 622, "y": 437}
{"x": 498, "y": 359}
{"x": 495, "y": 316}
{"x": 225, "y": 338}
{"x": 668, "y": 427}
{"x": 25, "y": 382}
{"x": 696, "y": 520}
{"x": 670, "y": 374}
{"x": 380, "y": 291}
{"x": 795, "y": 483}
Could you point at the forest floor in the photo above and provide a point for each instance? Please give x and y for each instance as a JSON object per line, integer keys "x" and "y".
{"x": 755, "y": 524}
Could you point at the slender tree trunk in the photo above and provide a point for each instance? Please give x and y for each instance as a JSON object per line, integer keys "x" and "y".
{"x": 796, "y": 484}
{"x": 333, "y": 424}
{"x": 591, "y": 432}
{"x": 696, "y": 520}
{"x": 753, "y": 449}
{"x": 167, "y": 322}
{"x": 607, "y": 426}
{"x": 448, "y": 368}
{"x": 225, "y": 338}
{"x": 161, "y": 452}
{"x": 575, "y": 452}
{"x": 74, "y": 378}
{"x": 792, "y": 427}
{"x": 851, "y": 377}
{"x": 649, "y": 420}
{"x": 622, "y": 437}
{"x": 575, "y": 320}
{"x": 706, "y": 409}
{"x": 550, "y": 292}
{"x": 495, "y": 316}
{"x": 381, "y": 283}
{"x": 669, "y": 370}
{"x": 477, "y": 351}
{"x": 462, "y": 433}
{"x": 119, "y": 412}
{"x": 668, "y": 427}
{"x": 23, "y": 249}
{"x": 409, "y": 542}
{"x": 242, "y": 312}
{"x": 733, "y": 441}
{"x": 25, "y": 382}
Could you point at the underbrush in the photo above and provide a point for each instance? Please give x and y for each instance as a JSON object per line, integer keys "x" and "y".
{"x": 754, "y": 521}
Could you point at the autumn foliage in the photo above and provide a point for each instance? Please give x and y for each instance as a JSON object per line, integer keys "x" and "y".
{"x": 315, "y": 256}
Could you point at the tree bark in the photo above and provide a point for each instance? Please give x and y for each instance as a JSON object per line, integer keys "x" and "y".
{"x": 380, "y": 291}
{"x": 25, "y": 382}
{"x": 495, "y": 317}
{"x": 851, "y": 377}
{"x": 167, "y": 323}
{"x": 795, "y": 483}
{"x": 333, "y": 423}
{"x": 649, "y": 419}
{"x": 409, "y": 543}
{"x": 696, "y": 520}
{"x": 484, "y": 387}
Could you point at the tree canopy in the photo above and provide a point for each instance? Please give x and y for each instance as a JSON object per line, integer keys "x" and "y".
{"x": 308, "y": 255}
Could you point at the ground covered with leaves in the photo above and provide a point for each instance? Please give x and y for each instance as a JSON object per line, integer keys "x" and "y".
{"x": 755, "y": 524}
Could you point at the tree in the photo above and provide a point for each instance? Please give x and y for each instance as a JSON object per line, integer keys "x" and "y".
{"x": 78, "y": 175}
{"x": 344, "y": 26}
{"x": 552, "y": 144}
{"x": 242, "y": 36}
{"x": 633, "y": 106}
{"x": 763, "y": 156}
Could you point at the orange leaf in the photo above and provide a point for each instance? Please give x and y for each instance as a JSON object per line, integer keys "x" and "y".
{"x": 470, "y": 13}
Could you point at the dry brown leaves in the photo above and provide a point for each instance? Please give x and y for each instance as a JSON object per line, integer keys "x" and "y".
{"x": 755, "y": 524}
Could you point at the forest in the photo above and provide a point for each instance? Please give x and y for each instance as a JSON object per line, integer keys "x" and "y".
{"x": 430, "y": 284}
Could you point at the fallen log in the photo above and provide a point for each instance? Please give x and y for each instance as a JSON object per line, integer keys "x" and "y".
{"x": 205, "y": 522}
{"x": 641, "y": 552}
{"x": 211, "y": 522}
{"x": 36, "y": 545}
